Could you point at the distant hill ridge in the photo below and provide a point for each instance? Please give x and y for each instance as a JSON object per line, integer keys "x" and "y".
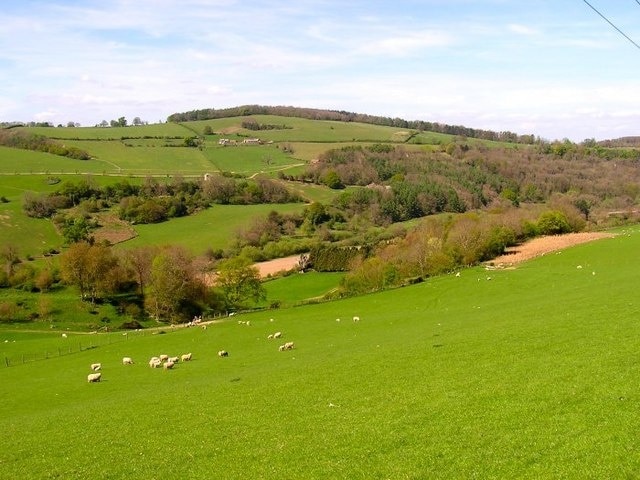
{"x": 344, "y": 116}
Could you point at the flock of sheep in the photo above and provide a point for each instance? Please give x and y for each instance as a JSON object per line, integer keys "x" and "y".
{"x": 164, "y": 361}
{"x": 167, "y": 362}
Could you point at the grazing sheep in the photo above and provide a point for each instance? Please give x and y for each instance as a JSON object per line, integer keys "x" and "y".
{"x": 270, "y": 336}
{"x": 64, "y": 335}
{"x": 168, "y": 365}
{"x": 96, "y": 366}
{"x": 186, "y": 357}
{"x": 223, "y": 353}
{"x": 164, "y": 357}
{"x": 277, "y": 335}
{"x": 286, "y": 346}
{"x": 155, "y": 362}
{"x": 173, "y": 359}
{"x": 94, "y": 377}
{"x": 127, "y": 361}
{"x": 356, "y": 319}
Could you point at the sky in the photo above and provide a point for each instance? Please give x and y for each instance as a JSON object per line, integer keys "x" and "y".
{"x": 552, "y": 68}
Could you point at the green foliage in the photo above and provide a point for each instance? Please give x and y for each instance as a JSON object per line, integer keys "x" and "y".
{"x": 329, "y": 258}
{"x": 552, "y": 223}
{"x": 77, "y": 229}
{"x": 332, "y": 180}
{"x": 239, "y": 282}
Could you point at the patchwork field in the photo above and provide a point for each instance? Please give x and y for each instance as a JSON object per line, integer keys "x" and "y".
{"x": 527, "y": 373}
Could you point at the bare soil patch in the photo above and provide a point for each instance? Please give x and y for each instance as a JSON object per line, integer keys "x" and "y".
{"x": 540, "y": 246}
{"x": 271, "y": 267}
{"x": 113, "y": 230}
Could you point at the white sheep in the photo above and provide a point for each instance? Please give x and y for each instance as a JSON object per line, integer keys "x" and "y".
{"x": 223, "y": 353}
{"x": 164, "y": 357}
{"x": 286, "y": 346}
{"x": 270, "y": 336}
{"x": 356, "y": 319}
{"x": 168, "y": 365}
{"x": 64, "y": 335}
{"x": 173, "y": 359}
{"x": 155, "y": 362}
{"x": 94, "y": 377}
{"x": 186, "y": 357}
{"x": 127, "y": 361}
{"x": 277, "y": 335}
{"x": 96, "y": 366}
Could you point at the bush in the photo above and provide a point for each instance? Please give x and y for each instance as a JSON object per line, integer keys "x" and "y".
{"x": 553, "y": 223}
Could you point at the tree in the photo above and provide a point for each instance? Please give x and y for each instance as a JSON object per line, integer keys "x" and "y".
{"x": 584, "y": 206}
{"x": 137, "y": 121}
{"x": 90, "y": 268}
{"x": 174, "y": 284}
{"x": 239, "y": 282}
{"x": 9, "y": 253}
{"x": 140, "y": 260}
{"x": 122, "y": 122}
{"x": 207, "y": 130}
{"x": 76, "y": 230}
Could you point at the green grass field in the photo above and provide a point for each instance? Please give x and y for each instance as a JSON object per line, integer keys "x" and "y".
{"x": 531, "y": 374}
{"x": 111, "y": 133}
{"x": 214, "y": 227}
{"x": 296, "y": 288}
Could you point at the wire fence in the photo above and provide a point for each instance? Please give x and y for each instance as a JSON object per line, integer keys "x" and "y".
{"x": 73, "y": 344}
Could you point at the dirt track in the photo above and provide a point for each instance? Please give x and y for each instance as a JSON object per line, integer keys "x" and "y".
{"x": 540, "y": 246}
{"x": 272, "y": 267}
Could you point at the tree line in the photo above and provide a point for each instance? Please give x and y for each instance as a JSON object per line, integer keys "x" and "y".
{"x": 345, "y": 116}
{"x": 152, "y": 201}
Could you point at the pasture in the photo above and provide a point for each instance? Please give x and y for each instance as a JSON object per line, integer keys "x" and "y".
{"x": 524, "y": 373}
{"x": 214, "y": 227}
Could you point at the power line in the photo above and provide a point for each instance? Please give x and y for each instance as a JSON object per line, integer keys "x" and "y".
{"x": 610, "y": 23}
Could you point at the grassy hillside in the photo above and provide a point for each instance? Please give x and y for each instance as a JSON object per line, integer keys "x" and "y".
{"x": 214, "y": 227}
{"x": 531, "y": 374}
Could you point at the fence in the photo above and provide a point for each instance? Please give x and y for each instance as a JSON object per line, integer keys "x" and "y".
{"x": 73, "y": 344}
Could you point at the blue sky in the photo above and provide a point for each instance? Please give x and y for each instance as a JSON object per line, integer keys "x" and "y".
{"x": 551, "y": 68}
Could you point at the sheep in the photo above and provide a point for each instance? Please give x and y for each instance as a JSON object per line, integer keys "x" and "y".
{"x": 164, "y": 357}
{"x": 155, "y": 362}
{"x": 168, "y": 365}
{"x": 96, "y": 366}
{"x": 270, "y": 336}
{"x": 356, "y": 319}
{"x": 277, "y": 335}
{"x": 173, "y": 359}
{"x": 186, "y": 357}
{"x": 127, "y": 361}
{"x": 223, "y": 353}
{"x": 64, "y": 335}
{"x": 286, "y": 346}
{"x": 94, "y": 377}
